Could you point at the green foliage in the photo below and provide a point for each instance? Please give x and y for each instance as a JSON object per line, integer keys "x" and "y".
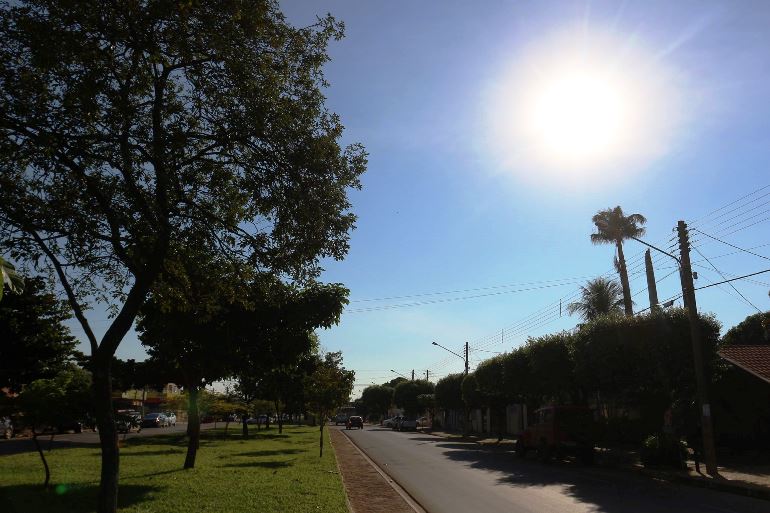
{"x": 599, "y": 296}
{"x": 448, "y": 393}
{"x": 377, "y": 399}
{"x": 9, "y": 278}
{"x": 661, "y": 450}
{"x": 330, "y": 384}
{"x": 754, "y": 329}
{"x": 551, "y": 368}
{"x": 472, "y": 396}
{"x": 405, "y": 395}
{"x": 36, "y": 344}
{"x": 51, "y": 402}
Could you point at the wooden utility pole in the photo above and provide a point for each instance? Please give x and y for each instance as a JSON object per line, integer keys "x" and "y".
{"x": 412, "y": 374}
{"x": 652, "y": 289}
{"x": 427, "y": 375}
{"x": 688, "y": 292}
{"x": 466, "y": 358}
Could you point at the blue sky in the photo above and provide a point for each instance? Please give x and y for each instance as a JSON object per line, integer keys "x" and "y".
{"x": 447, "y": 205}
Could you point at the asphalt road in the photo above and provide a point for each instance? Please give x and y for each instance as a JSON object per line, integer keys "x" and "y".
{"x": 446, "y": 476}
{"x": 17, "y": 445}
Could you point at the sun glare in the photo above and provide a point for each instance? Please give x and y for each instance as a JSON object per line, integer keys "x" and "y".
{"x": 576, "y": 106}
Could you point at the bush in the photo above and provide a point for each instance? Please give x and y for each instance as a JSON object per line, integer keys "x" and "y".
{"x": 664, "y": 451}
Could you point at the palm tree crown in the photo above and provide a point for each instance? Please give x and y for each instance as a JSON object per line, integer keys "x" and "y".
{"x": 598, "y": 297}
{"x": 613, "y": 227}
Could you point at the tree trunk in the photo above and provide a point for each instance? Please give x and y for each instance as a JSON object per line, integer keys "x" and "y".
{"x": 42, "y": 457}
{"x": 245, "y": 428}
{"x": 227, "y": 425}
{"x": 108, "y": 438}
{"x": 321, "y": 438}
{"x": 624, "y": 280}
{"x": 193, "y": 429}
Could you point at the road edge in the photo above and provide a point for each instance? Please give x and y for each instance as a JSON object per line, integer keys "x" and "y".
{"x": 408, "y": 498}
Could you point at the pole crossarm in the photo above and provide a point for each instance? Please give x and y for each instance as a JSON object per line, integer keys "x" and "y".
{"x": 658, "y": 249}
{"x": 447, "y": 349}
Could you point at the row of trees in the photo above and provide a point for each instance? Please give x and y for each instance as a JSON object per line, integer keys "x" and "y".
{"x": 623, "y": 365}
{"x": 173, "y": 150}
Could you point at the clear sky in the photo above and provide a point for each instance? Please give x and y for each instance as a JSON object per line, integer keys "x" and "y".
{"x": 496, "y": 129}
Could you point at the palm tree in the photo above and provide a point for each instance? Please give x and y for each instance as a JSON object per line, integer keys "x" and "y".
{"x": 9, "y": 278}
{"x": 613, "y": 227}
{"x": 598, "y": 297}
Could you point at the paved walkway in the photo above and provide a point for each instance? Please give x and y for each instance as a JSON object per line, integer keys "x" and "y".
{"x": 368, "y": 491}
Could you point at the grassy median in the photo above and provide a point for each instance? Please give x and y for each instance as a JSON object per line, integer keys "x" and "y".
{"x": 267, "y": 472}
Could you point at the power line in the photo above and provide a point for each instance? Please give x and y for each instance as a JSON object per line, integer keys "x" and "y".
{"x": 732, "y": 246}
{"x": 729, "y": 283}
{"x": 733, "y": 279}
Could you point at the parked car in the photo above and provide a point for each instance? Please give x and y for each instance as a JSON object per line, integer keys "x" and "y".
{"x": 6, "y": 427}
{"x": 397, "y": 422}
{"x": 154, "y": 420}
{"x": 557, "y": 430}
{"x": 171, "y": 417}
{"x": 389, "y": 422}
{"x": 354, "y": 421}
{"x": 407, "y": 424}
{"x": 127, "y": 420}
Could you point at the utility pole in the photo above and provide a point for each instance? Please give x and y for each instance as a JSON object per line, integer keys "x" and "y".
{"x": 652, "y": 289}
{"x": 688, "y": 293}
{"x": 466, "y": 358}
{"x": 427, "y": 375}
{"x": 412, "y": 374}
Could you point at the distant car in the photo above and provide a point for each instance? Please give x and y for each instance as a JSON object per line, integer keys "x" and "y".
{"x": 396, "y": 422}
{"x": 340, "y": 419}
{"x": 154, "y": 420}
{"x": 171, "y": 418}
{"x": 407, "y": 424}
{"x": 354, "y": 421}
{"x": 6, "y": 427}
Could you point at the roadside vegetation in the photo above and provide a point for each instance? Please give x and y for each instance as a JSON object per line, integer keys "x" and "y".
{"x": 267, "y": 472}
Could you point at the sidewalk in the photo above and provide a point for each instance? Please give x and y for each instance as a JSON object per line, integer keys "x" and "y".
{"x": 368, "y": 491}
{"x": 751, "y": 480}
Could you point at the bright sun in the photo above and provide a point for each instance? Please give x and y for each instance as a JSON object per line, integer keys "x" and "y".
{"x": 576, "y": 106}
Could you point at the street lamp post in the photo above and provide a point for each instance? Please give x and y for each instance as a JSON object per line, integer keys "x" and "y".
{"x": 464, "y": 358}
{"x": 394, "y": 372}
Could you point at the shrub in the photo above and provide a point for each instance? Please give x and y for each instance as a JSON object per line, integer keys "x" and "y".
{"x": 664, "y": 451}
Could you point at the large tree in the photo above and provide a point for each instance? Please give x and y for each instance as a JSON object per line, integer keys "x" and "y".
{"x": 36, "y": 344}
{"x": 613, "y": 227}
{"x": 133, "y": 129}
{"x": 599, "y": 296}
{"x": 377, "y": 399}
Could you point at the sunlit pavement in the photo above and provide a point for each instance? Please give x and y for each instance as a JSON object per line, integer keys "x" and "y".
{"x": 447, "y": 476}
{"x": 17, "y": 445}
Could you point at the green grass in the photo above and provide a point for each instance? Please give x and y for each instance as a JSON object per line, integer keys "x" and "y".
{"x": 266, "y": 473}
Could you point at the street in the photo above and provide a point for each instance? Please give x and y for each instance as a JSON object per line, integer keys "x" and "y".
{"x": 446, "y": 476}
{"x": 17, "y": 445}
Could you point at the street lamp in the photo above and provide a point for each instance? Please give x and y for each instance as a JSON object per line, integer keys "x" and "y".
{"x": 394, "y": 372}
{"x": 464, "y": 358}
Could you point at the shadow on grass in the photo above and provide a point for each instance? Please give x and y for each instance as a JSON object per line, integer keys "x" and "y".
{"x": 18, "y": 446}
{"x": 261, "y": 464}
{"x": 257, "y": 454}
{"x": 166, "y": 452}
{"x": 67, "y": 498}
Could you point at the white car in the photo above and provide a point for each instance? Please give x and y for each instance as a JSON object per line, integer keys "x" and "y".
{"x": 171, "y": 416}
{"x": 407, "y": 424}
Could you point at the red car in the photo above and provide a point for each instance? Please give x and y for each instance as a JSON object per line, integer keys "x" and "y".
{"x": 354, "y": 421}
{"x": 557, "y": 430}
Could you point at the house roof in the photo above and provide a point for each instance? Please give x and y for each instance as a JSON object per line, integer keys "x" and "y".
{"x": 752, "y": 359}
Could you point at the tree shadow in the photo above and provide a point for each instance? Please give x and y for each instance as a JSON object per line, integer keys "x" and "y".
{"x": 265, "y": 453}
{"x": 166, "y": 452}
{"x": 19, "y": 446}
{"x": 606, "y": 490}
{"x": 65, "y": 498}
{"x": 261, "y": 464}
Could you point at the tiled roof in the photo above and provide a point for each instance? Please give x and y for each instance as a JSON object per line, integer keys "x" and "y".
{"x": 753, "y": 359}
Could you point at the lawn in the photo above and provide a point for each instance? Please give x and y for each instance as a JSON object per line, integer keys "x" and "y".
{"x": 266, "y": 473}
